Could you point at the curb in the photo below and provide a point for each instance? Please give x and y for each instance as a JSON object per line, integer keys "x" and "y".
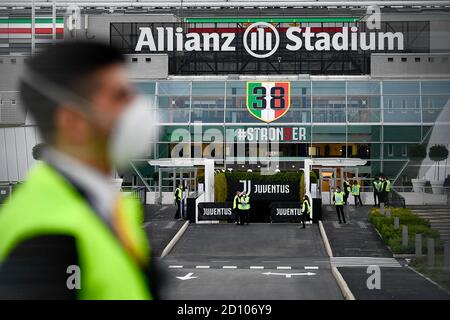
{"x": 346, "y": 292}
{"x": 174, "y": 240}
{"x": 325, "y": 239}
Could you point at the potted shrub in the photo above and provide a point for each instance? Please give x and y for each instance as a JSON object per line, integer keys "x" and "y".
{"x": 417, "y": 153}
{"x": 437, "y": 153}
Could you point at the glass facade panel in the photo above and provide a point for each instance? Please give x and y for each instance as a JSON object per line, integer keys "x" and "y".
{"x": 433, "y": 105}
{"x": 174, "y": 88}
{"x": 208, "y": 88}
{"x": 401, "y": 87}
{"x": 363, "y": 88}
{"x": 402, "y": 108}
{"x": 328, "y": 88}
{"x": 402, "y": 134}
{"x": 372, "y": 120}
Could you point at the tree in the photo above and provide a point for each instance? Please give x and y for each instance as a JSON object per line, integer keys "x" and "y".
{"x": 438, "y": 153}
{"x": 417, "y": 152}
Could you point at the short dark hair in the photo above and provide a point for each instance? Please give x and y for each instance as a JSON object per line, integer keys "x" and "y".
{"x": 69, "y": 66}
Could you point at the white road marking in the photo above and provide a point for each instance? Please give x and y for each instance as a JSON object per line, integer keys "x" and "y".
{"x": 175, "y": 267}
{"x": 289, "y": 275}
{"x": 187, "y": 277}
{"x": 229, "y": 267}
{"x": 256, "y": 267}
{"x": 312, "y": 268}
{"x": 284, "y": 268}
{"x": 202, "y": 267}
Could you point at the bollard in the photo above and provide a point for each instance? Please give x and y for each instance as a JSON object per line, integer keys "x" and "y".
{"x": 418, "y": 244}
{"x": 388, "y": 212}
{"x": 382, "y": 207}
{"x": 396, "y": 222}
{"x": 430, "y": 252}
{"x": 405, "y": 236}
{"x": 447, "y": 255}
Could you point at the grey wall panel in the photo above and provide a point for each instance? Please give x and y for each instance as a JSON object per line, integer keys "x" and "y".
{"x": 11, "y": 154}
{"x": 410, "y": 65}
{"x": 440, "y": 36}
{"x": 30, "y": 137}
{"x": 3, "y": 160}
{"x": 21, "y": 152}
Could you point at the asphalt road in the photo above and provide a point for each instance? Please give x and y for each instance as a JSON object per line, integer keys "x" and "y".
{"x": 259, "y": 261}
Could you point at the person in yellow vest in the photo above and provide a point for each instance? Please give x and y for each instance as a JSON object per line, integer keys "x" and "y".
{"x": 67, "y": 233}
{"x": 347, "y": 191}
{"x": 306, "y": 210}
{"x": 178, "y": 195}
{"x": 385, "y": 189}
{"x": 338, "y": 199}
{"x": 356, "y": 192}
{"x": 236, "y": 211}
{"x": 377, "y": 185}
{"x": 244, "y": 208}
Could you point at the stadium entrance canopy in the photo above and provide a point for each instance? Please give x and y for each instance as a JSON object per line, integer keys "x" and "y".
{"x": 176, "y": 163}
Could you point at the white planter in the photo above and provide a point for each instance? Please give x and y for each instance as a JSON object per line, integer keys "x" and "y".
{"x": 418, "y": 185}
{"x": 437, "y": 186}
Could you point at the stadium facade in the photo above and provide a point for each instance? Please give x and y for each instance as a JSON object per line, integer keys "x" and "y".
{"x": 321, "y": 81}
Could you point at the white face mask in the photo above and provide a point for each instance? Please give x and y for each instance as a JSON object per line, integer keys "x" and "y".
{"x": 131, "y": 137}
{"x": 133, "y": 133}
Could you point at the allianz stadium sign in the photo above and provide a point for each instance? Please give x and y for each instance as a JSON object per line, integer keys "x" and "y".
{"x": 262, "y": 40}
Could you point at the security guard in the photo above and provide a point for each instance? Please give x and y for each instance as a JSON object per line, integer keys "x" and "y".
{"x": 347, "y": 190}
{"x": 178, "y": 195}
{"x": 377, "y": 184}
{"x": 65, "y": 234}
{"x": 338, "y": 199}
{"x": 356, "y": 192}
{"x": 245, "y": 208}
{"x": 235, "y": 206}
{"x": 387, "y": 189}
{"x": 306, "y": 210}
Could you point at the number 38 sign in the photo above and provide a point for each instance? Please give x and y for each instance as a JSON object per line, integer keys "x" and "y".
{"x": 268, "y": 101}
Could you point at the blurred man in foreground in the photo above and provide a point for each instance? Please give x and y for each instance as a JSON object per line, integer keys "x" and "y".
{"x": 67, "y": 234}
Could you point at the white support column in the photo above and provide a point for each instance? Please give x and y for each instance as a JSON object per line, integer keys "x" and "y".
{"x": 306, "y": 173}
{"x": 209, "y": 180}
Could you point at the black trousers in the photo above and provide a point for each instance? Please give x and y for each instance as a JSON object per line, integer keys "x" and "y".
{"x": 345, "y": 197}
{"x": 237, "y": 214}
{"x": 376, "y": 198}
{"x": 178, "y": 212}
{"x": 340, "y": 213}
{"x": 304, "y": 217}
{"x": 245, "y": 216}
{"x": 384, "y": 197}
{"x": 358, "y": 200}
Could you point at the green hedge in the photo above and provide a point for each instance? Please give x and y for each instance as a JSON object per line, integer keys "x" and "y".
{"x": 220, "y": 180}
{"x": 393, "y": 237}
{"x": 220, "y": 187}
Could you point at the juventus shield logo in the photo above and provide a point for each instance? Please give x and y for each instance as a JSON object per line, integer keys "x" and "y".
{"x": 268, "y": 101}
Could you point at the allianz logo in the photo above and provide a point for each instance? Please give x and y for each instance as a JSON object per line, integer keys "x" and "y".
{"x": 262, "y": 40}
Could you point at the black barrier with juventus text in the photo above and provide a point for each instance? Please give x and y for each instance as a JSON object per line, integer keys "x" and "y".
{"x": 285, "y": 212}
{"x": 215, "y": 211}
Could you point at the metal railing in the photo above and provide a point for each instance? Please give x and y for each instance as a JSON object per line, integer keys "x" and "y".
{"x": 139, "y": 193}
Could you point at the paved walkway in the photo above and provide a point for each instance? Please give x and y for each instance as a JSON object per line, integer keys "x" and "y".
{"x": 259, "y": 261}
{"x": 160, "y": 226}
{"x": 356, "y": 245}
